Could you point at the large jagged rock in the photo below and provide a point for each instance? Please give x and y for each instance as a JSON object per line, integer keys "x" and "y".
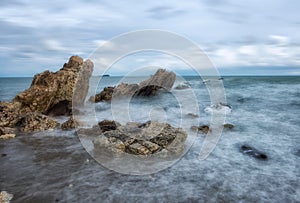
{"x": 142, "y": 139}
{"x": 162, "y": 79}
{"x": 50, "y": 94}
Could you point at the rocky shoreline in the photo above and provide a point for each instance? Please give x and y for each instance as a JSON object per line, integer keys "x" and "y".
{"x": 50, "y": 95}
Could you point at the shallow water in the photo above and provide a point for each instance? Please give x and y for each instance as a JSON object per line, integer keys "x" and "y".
{"x": 53, "y": 166}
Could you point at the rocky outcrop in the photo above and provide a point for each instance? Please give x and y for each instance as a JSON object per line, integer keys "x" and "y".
{"x": 34, "y": 122}
{"x": 50, "y": 94}
{"x": 251, "y": 151}
{"x": 142, "y": 139}
{"x": 162, "y": 79}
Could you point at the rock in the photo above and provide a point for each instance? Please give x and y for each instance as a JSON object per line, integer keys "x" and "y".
{"x": 162, "y": 79}
{"x": 203, "y": 128}
{"x": 53, "y": 92}
{"x": 142, "y": 139}
{"x": 297, "y": 152}
{"x": 192, "y": 115}
{"x": 7, "y": 130}
{"x": 105, "y": 95}
{"x": 34, "y": 122}
{"x": 5, "y": 197}
{"x": 124, "y": 89}
{"x": 107, "y": 125}
{"x": 49, "y": 94}
{"x": 182, "y": 86}
{"x": 71, "y": 123}
{"x": 7, "y": 136}
{"x": 251, "y": 151}
{"x": 9, "y": 114}
{"x": 228, "y": 126}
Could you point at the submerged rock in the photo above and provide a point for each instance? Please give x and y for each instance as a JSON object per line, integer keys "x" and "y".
{"x": 162, "y": 79}
{"x": 251, "y": 151}
{"x": 228, "y": 126}
{"x": 142, "y": 139}
{"x": 49, "y": 94}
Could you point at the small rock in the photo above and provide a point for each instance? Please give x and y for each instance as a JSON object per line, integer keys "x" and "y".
{"x": 107, "y": 125}
{"x": 203, "y": 128}
{"x": 228, "y": 126}
{"x": 251, "y": 151}
{"x": 5, "y": 197}
{"x": 69, "y": 124}
{"x": 7, "y": 136}
{"x": 192, "y": 115}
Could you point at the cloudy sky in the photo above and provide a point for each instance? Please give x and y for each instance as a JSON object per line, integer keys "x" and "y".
{"x": 240, "y": 37}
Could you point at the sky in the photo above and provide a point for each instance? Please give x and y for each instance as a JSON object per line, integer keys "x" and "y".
{"x": 239, "y": 37}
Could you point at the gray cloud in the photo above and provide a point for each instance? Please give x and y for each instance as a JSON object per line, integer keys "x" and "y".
{"x": 163, "y": 12}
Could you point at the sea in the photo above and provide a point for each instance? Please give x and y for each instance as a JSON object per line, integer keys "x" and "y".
{"x": 55, "y": 166}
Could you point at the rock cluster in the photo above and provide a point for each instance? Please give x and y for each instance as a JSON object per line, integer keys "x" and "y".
{"x": 50, "y": 94}
{"x": 140, "y": 138}
{"x": 162, "y": 79}
{"x": 205, "y": 128}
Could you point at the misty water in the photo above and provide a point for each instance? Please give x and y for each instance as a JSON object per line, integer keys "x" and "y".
{"x": 53, "y": 166}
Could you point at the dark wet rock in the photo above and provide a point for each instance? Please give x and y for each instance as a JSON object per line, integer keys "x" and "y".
{"x": 192, "y": 115}
{"x": 107, "y": 125}
{"x": 71, "y": 123}
{"x": 203, "y": 129}
{"x": 297, "y": 153}
{"x": 251, "y": 151}
{"x": 228, "y": 126}
{"x": 50, "y": 93}
{"x": 34, "y": 122}
{"x": 142, "y": 139}
{"x": 162, "y": 79}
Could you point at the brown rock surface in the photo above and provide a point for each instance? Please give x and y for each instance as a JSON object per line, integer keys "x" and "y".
{"x": 49, "y": 94}
{"x": 162, "y": 79}
{"x": 142, "y": 139}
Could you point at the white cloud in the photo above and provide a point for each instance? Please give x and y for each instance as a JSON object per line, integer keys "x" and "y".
{"x": 53, "y": 45}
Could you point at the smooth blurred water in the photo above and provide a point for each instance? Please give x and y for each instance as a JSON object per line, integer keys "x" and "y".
{"x": 53, "y": 166}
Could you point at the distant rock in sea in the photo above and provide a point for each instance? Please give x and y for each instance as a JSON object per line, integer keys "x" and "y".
{"x": 50, "y": 94}
{"x": 162, "y": 79}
